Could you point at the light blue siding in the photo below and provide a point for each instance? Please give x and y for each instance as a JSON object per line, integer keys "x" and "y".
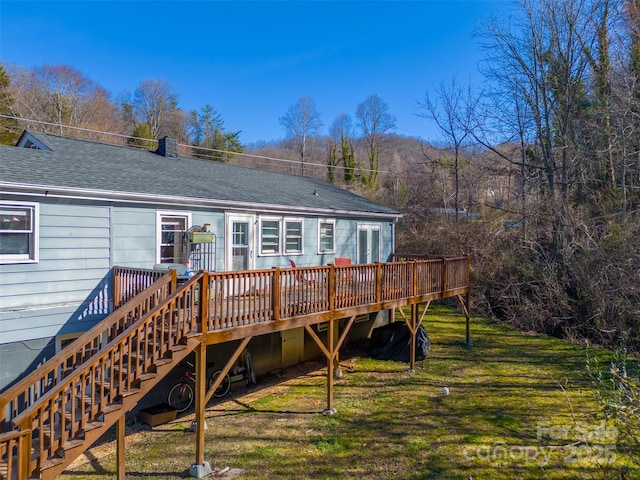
{"x": 74, "y": 259}
{"x": 69, "y": 289}
{"x": 134, "y": 236}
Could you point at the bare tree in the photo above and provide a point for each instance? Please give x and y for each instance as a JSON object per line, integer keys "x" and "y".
{"x": 542, "y": 57}
{"x": 375, "y": 121}
{"x": 341, "y": 148}
{"x": 453, "y": 112}
{"x": 63, "y": 96}
{"x": 302, "y": 123}
{"x": 155, "y": 103}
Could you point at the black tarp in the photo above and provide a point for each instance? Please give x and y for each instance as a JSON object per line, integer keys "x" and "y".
{"x": 393, "y": 342}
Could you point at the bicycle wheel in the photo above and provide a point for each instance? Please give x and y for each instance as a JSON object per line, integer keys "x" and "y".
{"x": 223, "y": 388}
{"x": 180, "y": 396}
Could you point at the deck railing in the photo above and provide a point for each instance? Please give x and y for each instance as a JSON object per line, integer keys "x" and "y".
{"x": 60, "y": 400}
{"x": 251, "y": 297}
{"x": 129, "y": 282}
{"x": 96, "y": 385}
{"x": 36, "y": 384}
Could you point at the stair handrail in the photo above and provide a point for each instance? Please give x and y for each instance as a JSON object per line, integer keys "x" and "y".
{"x": 28, "y": 390}
{"x": 41, "y": 415}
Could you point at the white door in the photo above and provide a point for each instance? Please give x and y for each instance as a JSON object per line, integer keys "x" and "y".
{"x": 368, "y": 243}
{"x": 239, "y": 252}
{"x": 240, "y": 242}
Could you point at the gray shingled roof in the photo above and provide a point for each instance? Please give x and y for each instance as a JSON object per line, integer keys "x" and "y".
{"x": 76, "y": 164}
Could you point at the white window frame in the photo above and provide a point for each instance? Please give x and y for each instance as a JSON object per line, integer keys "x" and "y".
{"x": 284, "y": 235}
{"x": 166, "y": 213}
{"x": 331, "y": 221}
{"x": 34, "y": 235}
{"x": 271, "y": 253}
{"x": 252, "y": 221}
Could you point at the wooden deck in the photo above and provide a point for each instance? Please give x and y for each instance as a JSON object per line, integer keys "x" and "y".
{"x": 59, "y": 410}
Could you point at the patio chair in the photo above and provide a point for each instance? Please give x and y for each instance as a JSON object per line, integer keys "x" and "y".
{"x": 300, "y": 277}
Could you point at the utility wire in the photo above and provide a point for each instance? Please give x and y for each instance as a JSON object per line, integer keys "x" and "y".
{"x": 228, "y": 152}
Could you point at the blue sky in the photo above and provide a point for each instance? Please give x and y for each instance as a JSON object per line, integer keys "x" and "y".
{"x": 252, "y": 60}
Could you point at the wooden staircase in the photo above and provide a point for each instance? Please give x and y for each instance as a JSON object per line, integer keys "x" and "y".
{"x": 61, "y": 409}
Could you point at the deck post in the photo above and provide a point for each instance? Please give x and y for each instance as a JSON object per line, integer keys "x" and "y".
{"x": 116, "y": 288}
{"x": 330, "y": 366}
{"x": 200, "y": 468}
{"x": 444, "y": 276}
{"x": 275, "y": 293}
{"x": 468, "y": 299}
{"x": 331, "y": 290}
{"x": 120, "y": 447}
{"x": 174, "y": 280}
{"x": 468, "y": 319}
{"x": 337, "y": 373}
{"x": 413, "y": 329}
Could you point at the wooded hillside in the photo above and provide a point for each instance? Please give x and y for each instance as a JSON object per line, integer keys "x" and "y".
{"x": 537, "y": 175}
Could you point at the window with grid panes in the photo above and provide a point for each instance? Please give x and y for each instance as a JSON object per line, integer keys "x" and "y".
{"x": 326, "y": 236}
{"x": 270, "y": 237}
{"x": 293, "y": 236}
{"x": 18, "y": 232}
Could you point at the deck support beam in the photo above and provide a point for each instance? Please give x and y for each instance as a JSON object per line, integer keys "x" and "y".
{"x": 120, "y": 447}
{"x": 227, "y": 367}
{"x": 464, "y": 303}
{"x": 331, "y": 351}
{"x": 413, "y": 323}
{"x": 201, "y": 386}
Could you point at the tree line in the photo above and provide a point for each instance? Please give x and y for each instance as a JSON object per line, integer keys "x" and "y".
{"x": 61, "y": 99}
{"x": 53, "y": 98}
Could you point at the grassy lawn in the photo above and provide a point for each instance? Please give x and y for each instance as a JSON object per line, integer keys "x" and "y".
{"x": 519, "y": 407}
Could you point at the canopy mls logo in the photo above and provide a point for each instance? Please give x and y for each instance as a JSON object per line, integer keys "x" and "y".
{"x": 567, "y": 443}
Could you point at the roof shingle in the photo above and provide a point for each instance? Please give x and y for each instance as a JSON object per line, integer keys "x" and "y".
{"x": 86, "y": 165}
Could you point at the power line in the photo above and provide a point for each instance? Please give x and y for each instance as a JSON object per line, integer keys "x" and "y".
{"x": 228, "y": 152}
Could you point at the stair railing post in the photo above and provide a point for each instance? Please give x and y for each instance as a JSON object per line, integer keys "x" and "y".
{"x": 116, "y": 288}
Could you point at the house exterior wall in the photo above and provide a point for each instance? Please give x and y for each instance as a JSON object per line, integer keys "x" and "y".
{"x": 69, "y": 289}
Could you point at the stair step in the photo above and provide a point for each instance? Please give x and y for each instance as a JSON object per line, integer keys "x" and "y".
{"x": 128, "y": 393}
{"x": 114, "y": 407}
{"x": 147, "y": 376}
{"x": 124, "y": 369}
{"x": 51, "y": 462}
{"x": 93, "y": 425}
{"x": 73, "y": 443}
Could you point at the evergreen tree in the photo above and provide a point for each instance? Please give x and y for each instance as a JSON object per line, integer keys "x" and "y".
{"x": 9, "y": 127}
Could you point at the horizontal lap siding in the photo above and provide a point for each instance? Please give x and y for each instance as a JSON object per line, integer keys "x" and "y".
{"x": 134, "y": 237}
{"x": 68, "y": 284}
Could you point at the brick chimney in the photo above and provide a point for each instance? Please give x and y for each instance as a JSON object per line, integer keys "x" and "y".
{"x": 168, "y": 147}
